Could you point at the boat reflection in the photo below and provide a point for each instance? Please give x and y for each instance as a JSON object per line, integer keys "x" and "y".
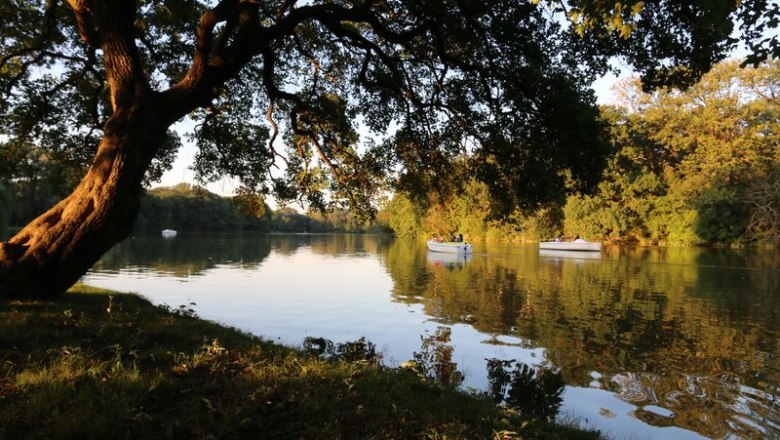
{"x": 447, "y": 259}
{"x": 575, "y": 255}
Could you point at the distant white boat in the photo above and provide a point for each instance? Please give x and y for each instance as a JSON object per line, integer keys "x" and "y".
{"x": 576, "y": 245}
{"x": 451, "y": 247}
{"x": 168, "y": 233}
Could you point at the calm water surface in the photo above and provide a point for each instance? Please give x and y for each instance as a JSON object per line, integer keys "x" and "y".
{"x": 652, "y": 343}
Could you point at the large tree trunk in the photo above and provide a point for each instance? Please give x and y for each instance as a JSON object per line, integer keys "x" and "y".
{"x": 53, "y": 251}
{"x": 57, "y": 248}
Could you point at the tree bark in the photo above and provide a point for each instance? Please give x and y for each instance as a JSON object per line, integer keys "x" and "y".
{"x": 53, "y": 251}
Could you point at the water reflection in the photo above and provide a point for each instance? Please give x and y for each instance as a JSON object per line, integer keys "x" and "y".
{"x": 689, "y": 337}
{"x": 184, "y": 256}
{"x": 570, "y": 255}
{"x": 536, "y": 394}
{"x": 447, "y": 260}
{"x": 650, "y": 342}
{"x": 434, "y": 360}
{"x": 350, "y": 351}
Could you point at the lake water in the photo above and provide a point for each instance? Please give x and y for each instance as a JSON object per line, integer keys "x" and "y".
{"x": 651, "y": 343}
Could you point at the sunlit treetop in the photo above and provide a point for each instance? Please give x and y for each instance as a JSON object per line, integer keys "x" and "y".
{"x": 283, "y": 93}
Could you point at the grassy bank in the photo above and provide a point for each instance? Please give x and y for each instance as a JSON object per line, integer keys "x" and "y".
{"x": 101, "y": 365}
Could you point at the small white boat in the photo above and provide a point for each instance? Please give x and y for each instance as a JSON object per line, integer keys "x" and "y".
{"x": 451, "y": 247}
{"x": 168, "y": 233}
{"x": 576, "y": 245}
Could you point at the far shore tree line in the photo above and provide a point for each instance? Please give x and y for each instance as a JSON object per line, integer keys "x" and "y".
{"x": 696, "y": 167}
{"x": 193, "y": 209}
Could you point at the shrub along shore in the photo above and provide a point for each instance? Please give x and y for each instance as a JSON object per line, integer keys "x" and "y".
{"x": 98, "y": 364}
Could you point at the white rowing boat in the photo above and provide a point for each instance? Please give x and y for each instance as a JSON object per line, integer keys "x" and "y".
{"x": 451, "y": 247}
{"x": 576, "y": 245}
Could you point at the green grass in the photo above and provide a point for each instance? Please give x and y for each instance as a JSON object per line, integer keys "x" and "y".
{"x": 103, "y": 365}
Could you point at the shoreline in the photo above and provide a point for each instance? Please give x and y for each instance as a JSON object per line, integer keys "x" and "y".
{"x": 97, "y": 363}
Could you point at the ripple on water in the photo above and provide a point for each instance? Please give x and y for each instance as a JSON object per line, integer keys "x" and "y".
{"x": 630, "y": 388}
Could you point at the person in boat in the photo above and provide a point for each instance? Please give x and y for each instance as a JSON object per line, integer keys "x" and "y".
{"x": 452, "y": 236}
{"x": 460, "y": 238}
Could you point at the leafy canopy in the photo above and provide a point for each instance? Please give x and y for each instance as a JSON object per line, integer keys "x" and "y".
{"x": 447, "y": 90}
{"x": 692, "y": 167}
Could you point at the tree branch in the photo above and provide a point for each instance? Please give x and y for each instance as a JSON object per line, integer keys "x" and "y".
{"x": 275, "y": 133}
{"x": 85, "y": 22}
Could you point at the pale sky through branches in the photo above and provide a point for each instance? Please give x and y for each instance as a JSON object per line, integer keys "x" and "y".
{"x": 182, "y": 172}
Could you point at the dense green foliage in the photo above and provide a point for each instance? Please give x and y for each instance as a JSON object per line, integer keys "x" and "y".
{"x": 193, "y": 209}
{"x": 27, "y": 198}
{"x": 692, "y": 167}
{"x": 99, "y": 365}
{"x": 700, "y": 166}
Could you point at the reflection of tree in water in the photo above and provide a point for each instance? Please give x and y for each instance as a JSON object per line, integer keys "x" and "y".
{"x": 484, "y": 295}
{"x": 186, "y": 255}
{"x": 682, "y": 329}
{"x": 334, "y": 245}
{"x": 406, "y": 265}
{"x": 537, "y": 394}
{"x": 658, "y": 323}
{"x": 288, "y": 244}
{"x": 351, "y": 351}
{"x": 340, "y": 245}
{"x": 434, "y": 360}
